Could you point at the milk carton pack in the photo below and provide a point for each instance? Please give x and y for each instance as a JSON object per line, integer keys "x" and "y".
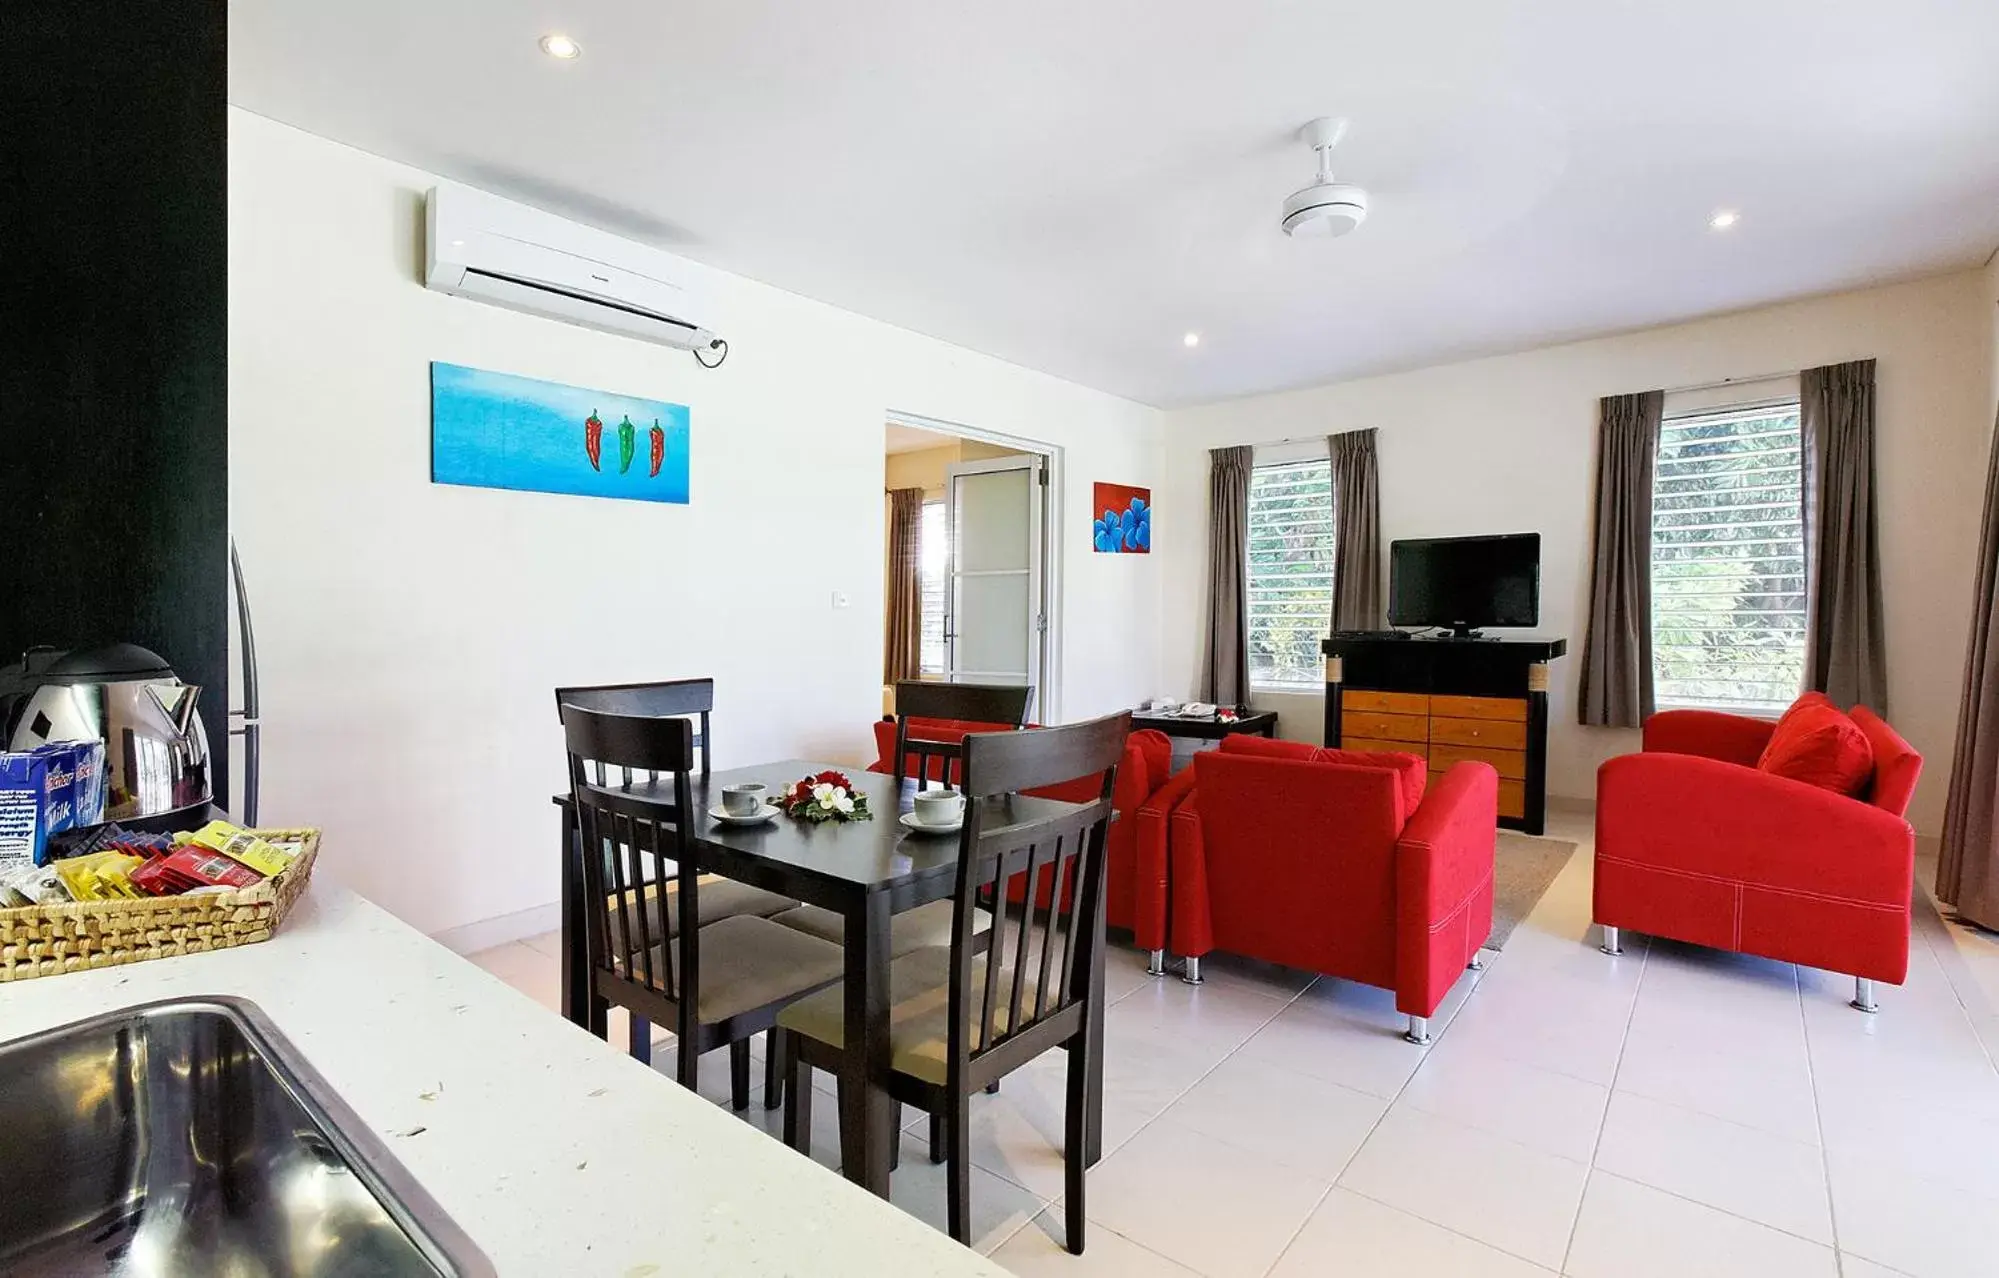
{"x": 45, "y": 791}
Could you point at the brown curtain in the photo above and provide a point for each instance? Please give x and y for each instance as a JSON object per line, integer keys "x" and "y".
{"x": 902, "y": 651}
{"x": 1225, "y": 678}
{"x": 1616, "y": 686}
{"x": 1845, "y": 650}
{"x": 1968, "y": 870}
{"x": 1357, "y": 532}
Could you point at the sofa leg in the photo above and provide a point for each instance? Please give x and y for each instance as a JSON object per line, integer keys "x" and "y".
{"x": 1477, "y": 964}
{"x": 1418, "y": 1031}
{"x": 1863, "y": 995}
{"x": 1612, "y": 945}
{"x": 1192, "y": 975}
{"x": 1155, "y": 963}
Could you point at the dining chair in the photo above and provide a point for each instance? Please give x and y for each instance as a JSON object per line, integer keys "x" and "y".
{"x": 694, "y": 700}
{"x": 717, "y": 983}
{"x": 965, "y": 1015}
{"x": 918, "y": 701}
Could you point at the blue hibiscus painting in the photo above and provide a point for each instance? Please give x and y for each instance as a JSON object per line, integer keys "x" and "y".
{"x": 1122, "y": 522}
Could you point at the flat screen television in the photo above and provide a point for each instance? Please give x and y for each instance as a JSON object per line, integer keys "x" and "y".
{"x": 1463, "y": 583}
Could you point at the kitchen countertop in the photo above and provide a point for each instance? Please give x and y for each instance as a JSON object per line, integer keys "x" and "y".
{"x": 556, "y": 1153}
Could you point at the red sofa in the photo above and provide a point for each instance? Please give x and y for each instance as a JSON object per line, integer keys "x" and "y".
{"x": 1334, "y": 861}
{"x": 1135, "y": 896}
{"x": 1694, "y": 843}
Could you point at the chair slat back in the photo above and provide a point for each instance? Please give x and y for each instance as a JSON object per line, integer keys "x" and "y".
{"x": 692, "y": 698}
{"x": 919, "y": 699}
{"x": 1037, "y": 965}
{"x": 640, "y": 845}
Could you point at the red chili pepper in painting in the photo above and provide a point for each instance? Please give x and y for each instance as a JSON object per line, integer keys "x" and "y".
{"x": 658, "y": 441}
{"x": 593, "y": 439}
{"x": 628, "y": 439}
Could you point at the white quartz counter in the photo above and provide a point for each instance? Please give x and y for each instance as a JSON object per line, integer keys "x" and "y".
{"x": 556, "y": 1153}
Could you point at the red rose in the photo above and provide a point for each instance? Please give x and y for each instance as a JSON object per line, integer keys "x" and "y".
{"x": 830, "y": 777}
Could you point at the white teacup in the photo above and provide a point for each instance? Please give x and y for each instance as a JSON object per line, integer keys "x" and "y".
{"x": 939, "y": 807}
{"x": 744, "y": 800}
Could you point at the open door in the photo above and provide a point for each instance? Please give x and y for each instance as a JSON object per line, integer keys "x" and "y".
{"x": 995, "y": 616}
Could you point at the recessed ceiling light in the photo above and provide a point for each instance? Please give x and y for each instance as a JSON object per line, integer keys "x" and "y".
{"x": 1723, "y": 219}
{"x": 560, "y": 46}
{"x": 1191, "y": 339}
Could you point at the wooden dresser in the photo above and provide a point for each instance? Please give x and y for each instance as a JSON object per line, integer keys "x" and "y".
{"x": 1450, "y": 700}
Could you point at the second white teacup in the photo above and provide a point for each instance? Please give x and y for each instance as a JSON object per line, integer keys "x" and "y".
{"x": 939, "y": 807}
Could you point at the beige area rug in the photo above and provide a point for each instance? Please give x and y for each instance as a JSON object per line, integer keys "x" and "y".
{"x": 1522, "y": 868}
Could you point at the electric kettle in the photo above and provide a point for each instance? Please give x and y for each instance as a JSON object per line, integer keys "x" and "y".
{"x": 155, "y": 749}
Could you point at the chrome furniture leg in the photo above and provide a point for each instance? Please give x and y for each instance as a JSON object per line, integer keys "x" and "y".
{"x": 1863, "y": 995}
{"x": 1611, "y": 944}
{"x": 1155, "y": 963}
{"x": 1477, "y": 964}
{"x": 1193, "y": 973}
{"x": 1418, "y": 1031}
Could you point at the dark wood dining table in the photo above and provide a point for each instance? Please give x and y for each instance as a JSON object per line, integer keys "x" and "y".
{"x": 865, "y": 871}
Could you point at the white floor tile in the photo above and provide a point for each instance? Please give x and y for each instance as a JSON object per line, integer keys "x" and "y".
{"x": 1040, "y": 1248}
{"x": 1517, "y": 1199}
{"x": 1628, "y": 1230}
{"x": 1538, "y": 1108}
{"x": 1915, "y": 1224}
{"x": 1343, "y": 1033}
{"x": 528, "y": 970}
{"x": 1852, "y": 1266}
{"x": 1000, "y": 1208}
{"x": 1294, "y": 1119}
{"x": 1571, "y": 1027}
{"x": 1222, "y": 1211}
{"x": 1737, "y": 1169}
{"x": 1350, "y": 1234}
{"x": 1766, "y": 1089}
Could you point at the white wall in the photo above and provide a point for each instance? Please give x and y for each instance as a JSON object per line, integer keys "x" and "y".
{"x": 410, "y": 635}
{"x": 1507, "y": 444}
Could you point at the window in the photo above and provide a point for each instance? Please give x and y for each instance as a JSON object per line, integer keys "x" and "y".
{"x": 1290, "y": 573}
{"x": 1728, "y": 560}
{"x": 933, "y": 552}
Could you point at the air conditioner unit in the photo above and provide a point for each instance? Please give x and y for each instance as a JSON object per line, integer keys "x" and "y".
{"x": 493, "y": 250}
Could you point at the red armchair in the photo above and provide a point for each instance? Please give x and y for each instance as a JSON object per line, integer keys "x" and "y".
{"x": 1694, "y": 843}
{"x": 1135, "y": 894}
{"x": 1336, "y": 862}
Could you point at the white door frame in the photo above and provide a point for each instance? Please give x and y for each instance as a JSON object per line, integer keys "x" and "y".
{"x": 1054, "y": 536}
{"x": 1036, "y": 467}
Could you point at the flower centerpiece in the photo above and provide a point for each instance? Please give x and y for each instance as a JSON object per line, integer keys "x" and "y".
{"x": 829, "y": 796}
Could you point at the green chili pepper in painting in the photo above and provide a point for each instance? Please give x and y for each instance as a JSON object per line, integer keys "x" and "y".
{"x": 628, "y": 442}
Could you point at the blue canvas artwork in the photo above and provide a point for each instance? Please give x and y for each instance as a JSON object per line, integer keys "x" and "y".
{"x": 495, "y": 430}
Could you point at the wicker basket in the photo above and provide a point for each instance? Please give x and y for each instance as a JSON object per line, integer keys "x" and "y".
{"x": 48, "y": 940}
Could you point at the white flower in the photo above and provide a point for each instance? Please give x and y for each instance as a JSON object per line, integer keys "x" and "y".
{"x": 822, "y": 794}
{"x": 841, "y": 802}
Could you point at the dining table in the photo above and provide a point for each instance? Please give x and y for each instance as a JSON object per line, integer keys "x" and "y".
{"x": 865, "y": 871}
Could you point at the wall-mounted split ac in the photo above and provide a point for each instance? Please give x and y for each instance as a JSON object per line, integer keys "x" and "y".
{"x": 493, "y": 250}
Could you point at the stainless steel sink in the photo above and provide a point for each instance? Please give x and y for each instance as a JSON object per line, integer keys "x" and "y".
{"x": 188, "y": 1137}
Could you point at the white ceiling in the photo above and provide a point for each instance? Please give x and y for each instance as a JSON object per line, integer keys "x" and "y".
{"x": 1073, "y": 186}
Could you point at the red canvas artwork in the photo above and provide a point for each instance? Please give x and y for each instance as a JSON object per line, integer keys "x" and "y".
{"x": 1121, "y": 520}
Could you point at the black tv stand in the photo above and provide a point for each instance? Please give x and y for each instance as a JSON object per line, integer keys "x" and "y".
{"x": 1450, "y": 699}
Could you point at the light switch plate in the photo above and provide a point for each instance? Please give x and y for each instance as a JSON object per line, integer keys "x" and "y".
{"x": 840, "y": 599}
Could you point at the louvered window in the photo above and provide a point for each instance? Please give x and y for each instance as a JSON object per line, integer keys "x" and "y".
{"x": 1728, "y": 560}
{"x": 1290, "y": 573}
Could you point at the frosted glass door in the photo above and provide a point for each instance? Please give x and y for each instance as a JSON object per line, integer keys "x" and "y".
{"x": 994, "y": 617}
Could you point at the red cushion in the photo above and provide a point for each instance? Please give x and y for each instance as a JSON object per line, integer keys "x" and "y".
{"x": 1818, "y": 744}
{"x": 1412, "y": 773}
{"x": 1267, "y": 747}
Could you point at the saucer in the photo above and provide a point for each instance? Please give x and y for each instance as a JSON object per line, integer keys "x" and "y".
{"x": 911, "y": 824}
{"x": 769, "y": 811}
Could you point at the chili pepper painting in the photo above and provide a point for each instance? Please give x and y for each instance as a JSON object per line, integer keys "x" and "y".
{"x": 496, "y": 430}
{"x": 628, "y": 437}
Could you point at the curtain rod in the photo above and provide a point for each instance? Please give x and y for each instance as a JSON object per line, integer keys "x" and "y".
{"x": 1731, "y": 381}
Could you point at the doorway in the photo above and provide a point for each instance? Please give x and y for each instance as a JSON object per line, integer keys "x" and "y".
{"x": 981, "y": 588}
